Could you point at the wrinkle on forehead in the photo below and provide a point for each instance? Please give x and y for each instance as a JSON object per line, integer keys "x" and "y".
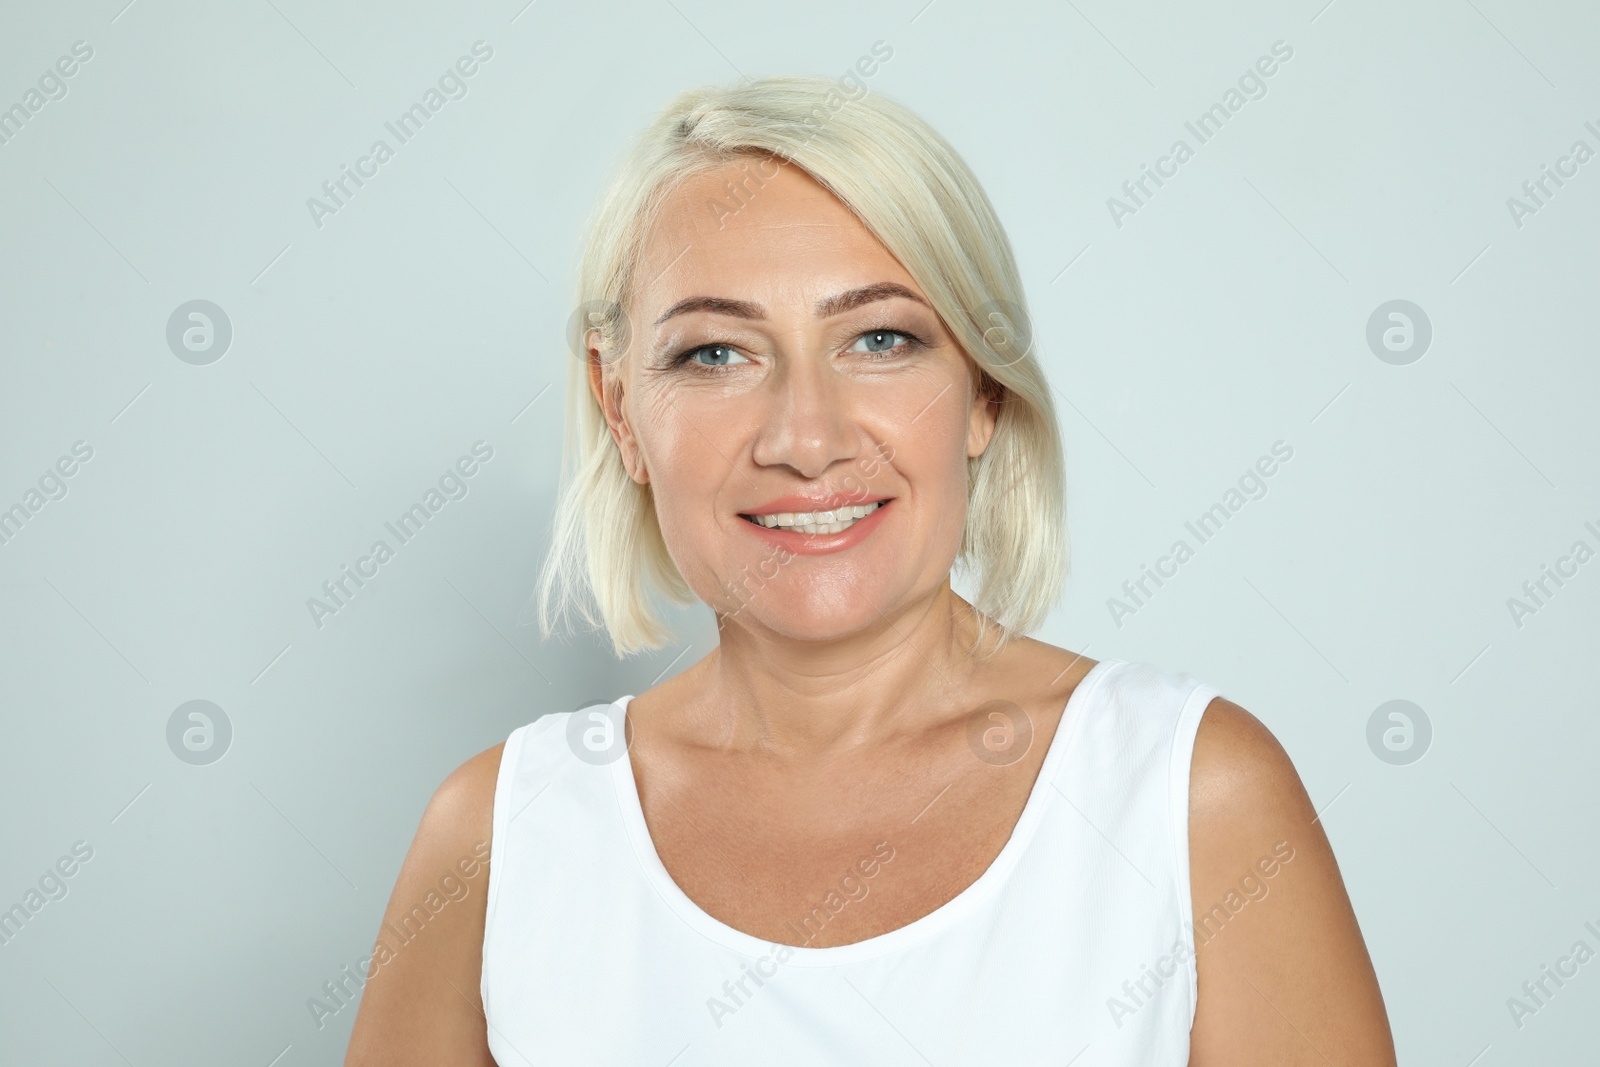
{"x": 687, "y": 236}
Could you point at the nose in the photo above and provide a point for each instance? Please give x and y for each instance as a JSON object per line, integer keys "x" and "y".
{"x": 809, "y": 426}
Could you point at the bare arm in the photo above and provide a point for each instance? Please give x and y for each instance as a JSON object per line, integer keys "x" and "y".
{"x": 421, "y": 1003}
{"x": 1284, "y": 974}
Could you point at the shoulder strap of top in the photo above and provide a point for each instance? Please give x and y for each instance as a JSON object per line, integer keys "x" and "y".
{"x": 1193, "y": 697}
{"x": 1127, "y": 771}
{"x": 530, "y": 760}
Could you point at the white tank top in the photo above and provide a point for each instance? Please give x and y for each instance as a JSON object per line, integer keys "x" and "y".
{"x": 1075, "y": 945}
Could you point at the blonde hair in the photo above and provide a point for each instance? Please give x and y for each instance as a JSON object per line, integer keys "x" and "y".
{"x": 918, "y": 197}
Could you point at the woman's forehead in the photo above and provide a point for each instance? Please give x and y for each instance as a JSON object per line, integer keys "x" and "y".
{"x": 775, "y": 237}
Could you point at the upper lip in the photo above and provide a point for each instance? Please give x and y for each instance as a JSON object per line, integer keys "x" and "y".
{"x": 796, "y": 504}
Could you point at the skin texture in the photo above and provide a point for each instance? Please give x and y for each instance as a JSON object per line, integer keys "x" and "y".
{"x": 1286, "y": 979}
{"x": 832, "y": 720}
{"x": 422, "y": 1006}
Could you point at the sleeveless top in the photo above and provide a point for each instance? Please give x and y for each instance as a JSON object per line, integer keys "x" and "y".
{"x": 1074, "y": 946}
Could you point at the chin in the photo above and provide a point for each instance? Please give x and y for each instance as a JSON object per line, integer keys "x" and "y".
{"x": 798, "y": 620}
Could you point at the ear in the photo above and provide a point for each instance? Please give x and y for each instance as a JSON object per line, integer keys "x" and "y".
{"x": 983, "y": 414}
{"x": 606, "y": 384}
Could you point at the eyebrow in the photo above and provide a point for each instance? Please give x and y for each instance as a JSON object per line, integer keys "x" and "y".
{"x": 827, "y": 307}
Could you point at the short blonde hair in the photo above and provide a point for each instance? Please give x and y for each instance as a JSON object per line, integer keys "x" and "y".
{"x": 918, "y": 197}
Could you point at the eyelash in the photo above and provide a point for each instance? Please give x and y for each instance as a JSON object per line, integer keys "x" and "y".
{"x": 911, "y": 341}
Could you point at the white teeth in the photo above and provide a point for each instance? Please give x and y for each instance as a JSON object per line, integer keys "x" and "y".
{"x": 819, "y": 522}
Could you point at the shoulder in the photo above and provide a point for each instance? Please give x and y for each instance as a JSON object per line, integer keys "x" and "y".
{"x": 421, "y": 1000}
{"x": 462, "y": 806}
{"x": 1282, "y": 968}
{"x": 456, "y": 825}
{"x": 1053, "y": 673}
{"x": 1238, "y": 767}
{"x": 1247, "y": 805}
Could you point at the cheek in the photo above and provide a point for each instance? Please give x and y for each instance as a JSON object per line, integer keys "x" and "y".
{"x": 930, "y": 453}
{"x": 670, "y": 440}
{"x": 690, "y": 464}
{"x": 926, "y": 415}
{"x": 946, "y": 482}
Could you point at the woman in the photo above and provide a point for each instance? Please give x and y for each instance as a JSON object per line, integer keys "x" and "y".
{"x": 876, "y": 824}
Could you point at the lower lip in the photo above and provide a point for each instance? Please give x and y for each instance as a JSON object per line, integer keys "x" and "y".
{"x": 804, "y": 544}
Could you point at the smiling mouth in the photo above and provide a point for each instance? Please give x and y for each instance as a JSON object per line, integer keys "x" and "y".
{"x": 817, "y": 522}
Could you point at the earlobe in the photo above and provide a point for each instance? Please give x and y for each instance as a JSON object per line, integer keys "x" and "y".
{"x": 632, "y": 461}
{"x": 627, "y": 444}
{"x": 608, "y": 397}
{"x": 981, "y": 424}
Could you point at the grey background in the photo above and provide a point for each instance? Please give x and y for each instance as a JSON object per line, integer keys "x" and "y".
{"x": 368, "y": 354}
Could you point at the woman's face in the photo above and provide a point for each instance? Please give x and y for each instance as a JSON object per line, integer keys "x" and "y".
{"x": 784, "y": 364}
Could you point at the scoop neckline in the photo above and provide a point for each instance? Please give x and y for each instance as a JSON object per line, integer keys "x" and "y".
{"x": 985, "y": 886}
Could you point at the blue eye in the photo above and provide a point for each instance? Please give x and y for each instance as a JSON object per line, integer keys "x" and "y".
{"x": 884, "y": 342}
{"x": 721, "y": 355}
{"x": 880, "y": 343}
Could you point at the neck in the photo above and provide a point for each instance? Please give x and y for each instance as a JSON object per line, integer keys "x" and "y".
{"x": 805, "y": 699}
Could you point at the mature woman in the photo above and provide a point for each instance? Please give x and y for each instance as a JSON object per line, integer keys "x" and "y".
{"x": 876, "y": 824}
